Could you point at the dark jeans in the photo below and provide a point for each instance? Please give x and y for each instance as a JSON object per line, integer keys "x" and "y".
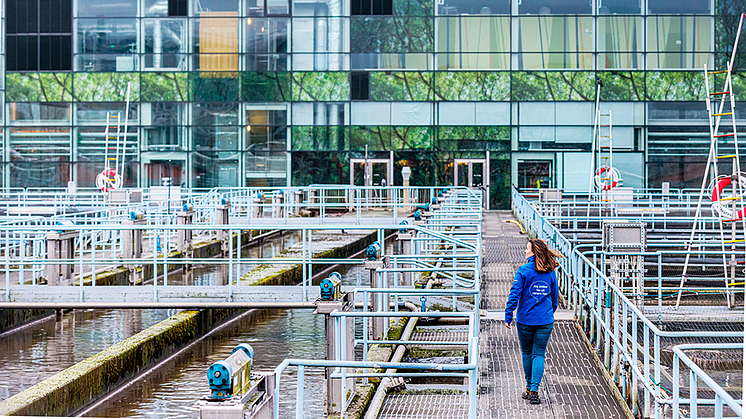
{"x": 534, "y": 340}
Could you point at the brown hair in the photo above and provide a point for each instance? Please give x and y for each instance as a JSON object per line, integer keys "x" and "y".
{"x": 545, "y": 259}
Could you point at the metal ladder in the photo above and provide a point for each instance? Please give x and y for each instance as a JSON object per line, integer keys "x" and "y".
{"x": 723, "y": 148}
{"x": 109, "y": 137}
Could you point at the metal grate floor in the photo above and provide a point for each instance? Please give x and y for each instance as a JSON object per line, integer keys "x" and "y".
{"x": 425, "y": 406}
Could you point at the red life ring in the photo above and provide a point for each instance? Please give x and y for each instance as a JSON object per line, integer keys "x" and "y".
{"x": 717, "y": 192}
{"x": 601, "y": 171}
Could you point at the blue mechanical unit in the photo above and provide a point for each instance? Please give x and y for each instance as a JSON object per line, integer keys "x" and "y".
{"x": 220, "y": 379}
{"x": 259, "y": 195}
{"x": 246, "y": 348}
{"x": 225, "y": 201}
{"x": 331, "y": 288}
{"x": 373, "y": 252}
{"x": 418, "y": 215}
{"x": 220, "y": 374}
{"x": 136, "y": 215}
{"x": 434, "y": 200}
{"x": 403, "y": 223}
{"x": 187, "y": 208}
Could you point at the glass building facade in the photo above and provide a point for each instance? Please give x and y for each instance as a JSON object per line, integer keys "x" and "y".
{"x": 293, "y": 92}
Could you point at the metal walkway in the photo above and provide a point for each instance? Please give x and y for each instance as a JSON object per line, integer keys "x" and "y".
{"x": 573, "y": 386}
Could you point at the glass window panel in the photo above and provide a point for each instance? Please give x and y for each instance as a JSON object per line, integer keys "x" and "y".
{"x": 39, "y": 112}
{"x": 613, "y": 7}
{"x": 163, "y": 126}
{"x": 266, "y": 43}
{"x": 620, "y": 33}
{"x": 325, "y": 168}
{"x": 155, "y": 8}
{"x": 373, "y": 34}
{"x": 554, "y": 7}
{"x": 473, "y": 61}
{"x": 399, "y": 86}
{"x": 156, "y": 170}
{"x": 164, "y": 86}
{"x": 25, "y": 174}
{"x": 319, "y": 138}
{"x": 214, "y": 86}
{"x": 107, "y": 8}
{"x": 622, "y": 86}
{"x": 391, "y": 61}
{"x": 165, "y": 43}
{"x": 95, "y": 113}
{"x": 619, "y": 60}
{"x": 107, "y": 36}
{"x": 210, "y": 6}
{"x": 106, "y": 62}
{"x": 679, "y": 7}
{"x": 92, "y": 142}
{"x": 262, "y": 163}
{"x": 255, "y": 7}
{"x": 214, "y": 169}
{"x": 39, "y": 87}
{"x": 679, "y": 60}
{"x": 278, "y": 7}
{"x": 40, "y": 144}
{"x": 555, "y": 34}
{"x": 215, "y": 37}
{"x": 474, "y": 7}
{"x": 266, "y": 87}
{"x": 675, "y": 86}
{"x": 321, "y": 86}
{"x": 680, "y": 34}
{"x": 215, "y": 126}
{"x": 573, "y": 60}
{"x": 471, "y": 34}
{"x": 472, "y": 86}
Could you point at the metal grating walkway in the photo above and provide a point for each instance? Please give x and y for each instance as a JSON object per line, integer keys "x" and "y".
{"x": 573, "y": 387}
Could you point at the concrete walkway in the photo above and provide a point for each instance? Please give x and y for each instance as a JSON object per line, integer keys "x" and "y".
{"x": 573, "y": 386}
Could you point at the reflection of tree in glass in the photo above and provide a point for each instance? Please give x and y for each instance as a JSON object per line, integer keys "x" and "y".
{"x": 675, "y": 85}
{"x": 472, "y": 85}
{"x": 622, "y": 85}
{"x": 401, "y": 86}
{"x": 321, "y": 86}
{"x": 39, "y": 87}
{"x": 382, "y": 34}
{"x": 553, "y": 85}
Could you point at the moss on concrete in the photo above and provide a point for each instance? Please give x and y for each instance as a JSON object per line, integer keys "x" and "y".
{"x": 81, "y": 384}
{"x": 10, "y": 319}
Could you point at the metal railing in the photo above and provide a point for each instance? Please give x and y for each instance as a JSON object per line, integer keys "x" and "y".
{"x": 618, "y": 330}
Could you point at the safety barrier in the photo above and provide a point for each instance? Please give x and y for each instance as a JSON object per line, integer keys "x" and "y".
{"x": 613, "y": 321}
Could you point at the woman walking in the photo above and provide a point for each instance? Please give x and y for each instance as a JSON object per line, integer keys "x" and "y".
{"x": 535, "y": 293}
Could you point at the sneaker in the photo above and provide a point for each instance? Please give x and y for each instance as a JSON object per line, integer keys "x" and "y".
{"x": 533, "y": 397}
{"x": 526, "y": 393}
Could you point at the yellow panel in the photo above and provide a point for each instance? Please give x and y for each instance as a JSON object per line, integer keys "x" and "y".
{"x": 218, "y": 42}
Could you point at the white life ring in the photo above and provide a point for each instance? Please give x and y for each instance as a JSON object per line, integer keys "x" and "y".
{"x": 611, "y": 179}
{"x": 108, "y": 180}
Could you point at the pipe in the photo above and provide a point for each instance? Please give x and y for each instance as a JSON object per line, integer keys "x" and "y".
{"x": 161, "y": 305}
{"x": 386, "y": 383}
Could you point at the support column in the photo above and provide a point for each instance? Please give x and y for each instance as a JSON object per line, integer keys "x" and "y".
{"x": 184, "y": 237}
{"x": 333, "y": 387}
{"x": 60, "y": 245}
{"x": 222, "y": 217}
{"x": 132, "y": 246}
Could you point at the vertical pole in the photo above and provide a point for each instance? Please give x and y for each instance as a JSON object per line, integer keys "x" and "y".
{"x": 305, "y": 272}
{"x": 299, "y": 392}
{"x": 93, "y": 257}
{"x": 80, "y": 273}
{"x": 230, "y": 265}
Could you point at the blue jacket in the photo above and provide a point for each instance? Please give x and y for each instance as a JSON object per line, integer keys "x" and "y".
{"x": 535, "y": 294}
